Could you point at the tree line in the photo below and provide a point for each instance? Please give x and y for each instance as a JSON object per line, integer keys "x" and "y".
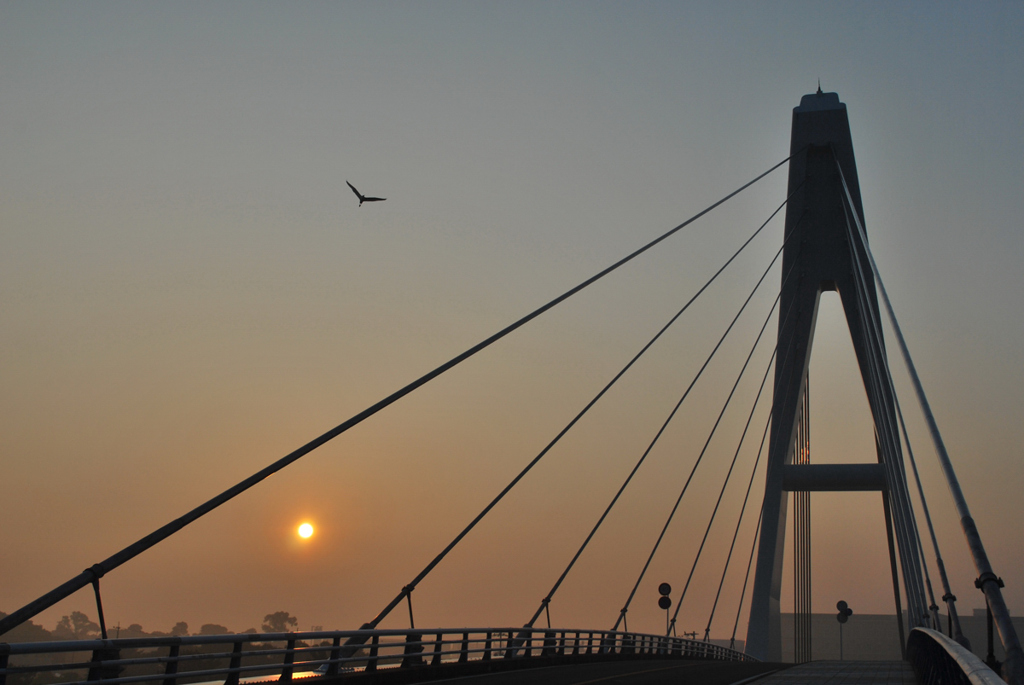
{"x": 78, "y": 626}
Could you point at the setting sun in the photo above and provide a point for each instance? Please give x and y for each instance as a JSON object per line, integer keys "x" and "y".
{"x": 306, "y": 530}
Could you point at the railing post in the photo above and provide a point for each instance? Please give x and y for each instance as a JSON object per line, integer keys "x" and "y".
{"x": 171, "y": 670}
{"x": 413, "y": 650}
{"x": 371, "y": 664}
{"x": 438, "y": 647}
{"x": 5, "y": 652}
{"x": 487, "y": 647}
{"x": 523, "y": 639}
{"x": 333, "y": 665}
{"x": 234, "y": 665}
{"x": 289, "y": 659}
{"x": 101, "y": 670}
{"x": 464, "y": 651}
{"x": 549, "y": 644}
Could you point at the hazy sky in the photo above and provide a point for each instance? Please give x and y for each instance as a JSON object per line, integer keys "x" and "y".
{"x": 189, "y": 291}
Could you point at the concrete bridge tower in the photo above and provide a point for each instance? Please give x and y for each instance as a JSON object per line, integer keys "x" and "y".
{"x": 825, "y": 255}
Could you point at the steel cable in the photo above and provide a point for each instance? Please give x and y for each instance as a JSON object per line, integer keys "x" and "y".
{"x": 746, "y": 578}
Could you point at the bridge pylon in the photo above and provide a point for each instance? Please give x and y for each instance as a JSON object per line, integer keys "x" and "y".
{"x": 822, "y": 254}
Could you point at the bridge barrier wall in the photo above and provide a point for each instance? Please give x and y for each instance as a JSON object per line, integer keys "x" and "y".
{"x": 327, "y": 655}
{"x": 938, "y": 659}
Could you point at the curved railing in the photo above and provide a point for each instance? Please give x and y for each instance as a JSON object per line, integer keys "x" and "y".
{"x": 938, "y": 659}
{"x": 248, "y": 658}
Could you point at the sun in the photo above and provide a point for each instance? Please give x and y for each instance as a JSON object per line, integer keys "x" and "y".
{"x": 306, "y": 530}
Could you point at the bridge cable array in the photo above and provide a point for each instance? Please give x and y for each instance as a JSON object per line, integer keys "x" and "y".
{"x": 919, "y": 548}
{"x": 718, "y": 502}
{"x": 987, "y": 580}
{"x": 739, "y": 446}
{"x": 458, "y": 538}
{"x": 97, "y": 571}
{"x": 736, "y": 533}
{"x": 625, "y": 608}
{"x": 875, "y": 330}
{"x": 544, "y": 605}
{"x": 774, "y": 356}
{"x": 897, "y": 508}
{"x": 933, "y": 607}
{"x": 954, "y": 621}
{"x": 757, "y": 528}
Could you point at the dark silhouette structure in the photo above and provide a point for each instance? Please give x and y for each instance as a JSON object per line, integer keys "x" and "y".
{"x": 823, "y": 249}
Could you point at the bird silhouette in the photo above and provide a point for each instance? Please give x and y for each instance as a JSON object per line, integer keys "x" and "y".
{"x": 364, "y": 198}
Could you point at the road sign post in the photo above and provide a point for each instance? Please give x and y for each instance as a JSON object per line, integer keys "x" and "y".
{"x": 665, "y": 602}
{"x": 845, "y": 612}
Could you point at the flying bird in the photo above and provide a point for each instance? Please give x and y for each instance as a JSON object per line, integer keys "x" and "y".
{"x": 364, "y": 198}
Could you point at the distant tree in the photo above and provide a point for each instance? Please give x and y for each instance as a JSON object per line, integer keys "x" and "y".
{"x": 134, "y": 630}
{"x": 213, "y": 629}
{"x": 180, "y": 628}
{"x": 279, "y": 622}
{"x": 77, "y": 626}
{"x": 250, "y": 631}
{"x": 27, "y": 632}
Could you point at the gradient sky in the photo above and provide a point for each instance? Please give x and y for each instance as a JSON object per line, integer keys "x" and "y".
{"x": 189, "y": 291}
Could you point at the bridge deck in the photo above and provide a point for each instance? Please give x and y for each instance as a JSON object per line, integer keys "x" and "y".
{"x": 844, "y": 673}
{"x": 704, "y": 673}
{"x": 627, "y": 673}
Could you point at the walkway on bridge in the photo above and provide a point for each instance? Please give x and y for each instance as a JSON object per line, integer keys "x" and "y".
{"x": 707, "y": 673}
{"x": 844, "y": 673}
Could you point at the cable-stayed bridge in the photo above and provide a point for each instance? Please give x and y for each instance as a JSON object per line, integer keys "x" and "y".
{"x": 825, "y": 247}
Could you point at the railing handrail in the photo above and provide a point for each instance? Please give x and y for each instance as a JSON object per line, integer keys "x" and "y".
{"x": 974, "y": 670}
{"x": 322, "y": 653}
{"x": 306, "y": 636}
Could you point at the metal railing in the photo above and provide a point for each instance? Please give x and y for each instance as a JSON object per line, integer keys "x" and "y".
{"x": 939, "y": 659}
{"x": 283, "y": 657}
